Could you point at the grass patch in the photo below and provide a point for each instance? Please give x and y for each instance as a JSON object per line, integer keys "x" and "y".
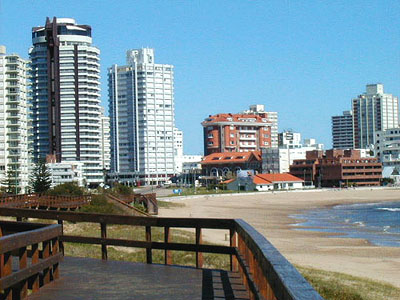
{"x": 339, "y": 286}
{"x": 168, "y": 204}
{"x": 100, "y": 205}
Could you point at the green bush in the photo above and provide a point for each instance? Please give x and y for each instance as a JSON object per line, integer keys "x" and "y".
{"x": 100, "y": 205}
{"x": 67, "y": 189}
{"x": 122, "y": 189}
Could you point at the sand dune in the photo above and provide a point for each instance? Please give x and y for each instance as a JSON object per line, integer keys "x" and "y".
{"x": 270, "y": 214}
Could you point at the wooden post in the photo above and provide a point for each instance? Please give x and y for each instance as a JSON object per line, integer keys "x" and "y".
{"x": 21, "y": 290}
{"x": 55, "y": 250}
{"x": 167, "y": 253}
{"x": 233, "y": 243}
{"x": 104, "y": 255}
{"x": 35, "y": 260}
{"x": 149, "y": 258}
{"x": 46, "y": 254}
{"x": 199, "y": 255}
{"x": 5, "y": 270}
{"x": 60, "y": 222}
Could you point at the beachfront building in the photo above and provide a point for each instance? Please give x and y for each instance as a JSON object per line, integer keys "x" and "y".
{"x": 250, "y": 130}
{"x": 230, "y": 163}
{"x": 338, "y": 168}
{"x": 14, "y": 95}
{"x": 264, "y": 182}
{"x": 66, "y": 172}
{"x": 66, "y": 111}
{"x": 342, "y": 131}
{"x": 141, "y": 106}
{"x": 373, "y": 111}
{"x": 178, "y": 150}
{"x": 387, "y": 150}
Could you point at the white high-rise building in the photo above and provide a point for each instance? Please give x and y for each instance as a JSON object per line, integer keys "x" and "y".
{"x": 178, "y": 150}
{"x": 105, "y": 142}
{"x": 141, "y": 106}
{"x": 66, "y": 116}
{"x": 14, "y": 120}
{"x": 289, "y": 139}
{"x": 373, "y": 111}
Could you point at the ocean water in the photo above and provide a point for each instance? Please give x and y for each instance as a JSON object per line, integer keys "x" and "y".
{"x": 379, "y": 223}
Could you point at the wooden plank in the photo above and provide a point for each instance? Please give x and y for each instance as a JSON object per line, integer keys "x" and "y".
{"x": 152, "y": 245}
{"x": 35, "y": 261}
{"x": 46, "y": 254}
{"x": 23, "y": 264}
{"x": 249, "y": 278}
{"x": 167, "y": 240}
{"x": 149, "y": 258}
{"x": 23, "y": 239}
{"x": 199, "y": 255}
{"x": 54, "y": 250}
{"x": 16, "y": 277}
{"x": 103, "y": 227}
{"x": 233, "y": 243}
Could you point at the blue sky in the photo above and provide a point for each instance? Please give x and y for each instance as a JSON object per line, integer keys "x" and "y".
{"x": 304, "y": 59}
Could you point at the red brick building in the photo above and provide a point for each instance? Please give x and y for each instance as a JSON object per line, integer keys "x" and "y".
{"x": 238, "y": 132}
{"x": 336, "y": 168}
{"x": 220, "y": 164}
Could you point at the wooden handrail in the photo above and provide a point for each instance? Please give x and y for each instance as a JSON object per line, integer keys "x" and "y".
{"x": 43, "y": 268}
{"x": 265, "y": 272}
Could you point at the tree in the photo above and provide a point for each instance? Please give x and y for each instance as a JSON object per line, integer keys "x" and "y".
{"x": 40, "y": 180}
{"x": 10, "y": 183}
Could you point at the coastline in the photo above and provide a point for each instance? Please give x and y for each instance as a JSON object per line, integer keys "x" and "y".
{"x": 270, "y": 214}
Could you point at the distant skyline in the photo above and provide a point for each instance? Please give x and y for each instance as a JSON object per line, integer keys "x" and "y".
{"x": 305, "y": 60}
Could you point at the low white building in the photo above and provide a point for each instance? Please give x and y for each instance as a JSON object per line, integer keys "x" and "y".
{"x": 264, "y": 182}
{"x": 63, "y": 172}
{"x": 191, "y": 162}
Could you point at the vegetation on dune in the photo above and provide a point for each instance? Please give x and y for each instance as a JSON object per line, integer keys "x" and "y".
{"x": 338, "y": 286}
{"x": 67, "y": 189}
{"x": 100, "y": 205}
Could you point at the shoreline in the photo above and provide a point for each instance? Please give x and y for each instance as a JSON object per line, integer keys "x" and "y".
{"x": 270, "y": 214}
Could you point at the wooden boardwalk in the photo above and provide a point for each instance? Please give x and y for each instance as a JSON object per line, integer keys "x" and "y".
{"x": 86, "y": 278}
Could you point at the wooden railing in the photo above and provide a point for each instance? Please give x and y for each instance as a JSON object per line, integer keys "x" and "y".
{"x": 34, "y": 248}
{"x": 47, "y": 201}
{"x": 265, "y": 272}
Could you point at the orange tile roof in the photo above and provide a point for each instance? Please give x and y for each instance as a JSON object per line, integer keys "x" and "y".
{"x": 228, "y": 181}
{"x": 235, "y": 117}
{"x": 230, "y": 157}
{"x": 271, "y": 178}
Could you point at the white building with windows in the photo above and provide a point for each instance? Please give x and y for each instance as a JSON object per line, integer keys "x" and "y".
{"x": 105, "y": 142}
{"x": 373, "y": 111}
{"x": 141, "y": 106}
{"x": 65, "y": 172}
{"x": 289, "y": 139}
{"x": 66, "y": 111}
{"x": 178, "y": 150}
{"x": 387, "y": 147}
{"x": 14, "y": 119}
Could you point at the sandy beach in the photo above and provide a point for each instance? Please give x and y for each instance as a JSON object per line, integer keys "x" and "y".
{"x": 270, "y": 214}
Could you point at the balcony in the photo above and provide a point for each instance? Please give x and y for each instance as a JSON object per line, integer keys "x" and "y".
{"x": 257, "y": 270}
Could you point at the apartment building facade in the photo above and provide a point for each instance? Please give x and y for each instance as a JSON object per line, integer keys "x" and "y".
{"x": 373, "y": 111}
{"x": 66, "y": 111}
{"x": 14, "y": 96}
{"x": 243, "y": 132}
{"x": 141, "y": 106}
{"x": 337, "y": 168}
{"x": 342, "y": 131}
{"x": 105, "y": 143}
{"x": 387, "y": 147}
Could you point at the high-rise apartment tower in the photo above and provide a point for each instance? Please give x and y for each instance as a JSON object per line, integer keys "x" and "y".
{"x": 373, "y": 111}
{"x": 66, "y": 95}
{"x": 141, "y": 106}
{"x": 13, "y": 121}
{"x": 342, "y": 131}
